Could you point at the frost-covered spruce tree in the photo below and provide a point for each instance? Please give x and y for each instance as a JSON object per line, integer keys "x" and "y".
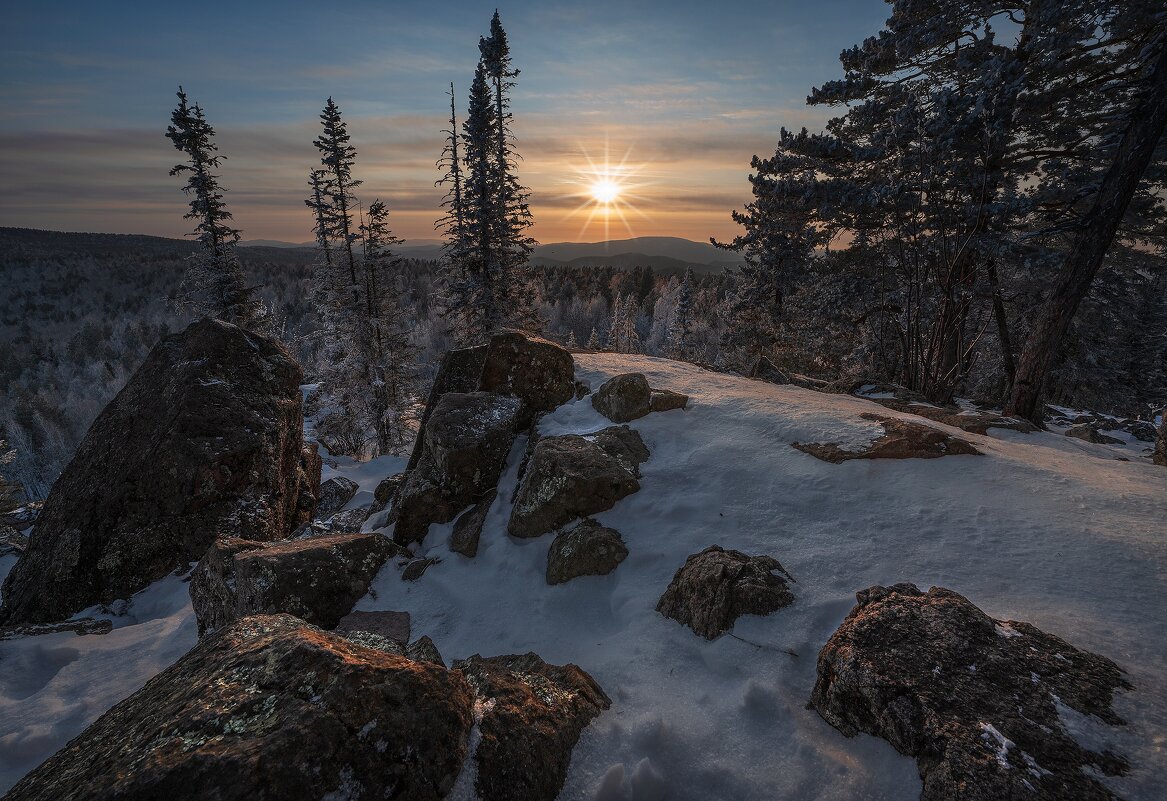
{"x": 214, "y": 285}
{"x": 594, "y": 340}
{"x": 458, "y": 283}
{"x": 679, "y": 333}
{"x": 512, "y": 214}
{"x": 368, "y": 365}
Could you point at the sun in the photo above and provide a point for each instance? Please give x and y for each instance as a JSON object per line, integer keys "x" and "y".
{"x": 605, "y": 190}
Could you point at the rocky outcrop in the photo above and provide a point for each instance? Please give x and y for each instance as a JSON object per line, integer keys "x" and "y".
{"x": 532, "y": 715}
{"x": 83, "y": 626}
{"x": 11, "y": 540}
{"x": 317, "y": 579}
{"x": 334, "y": 494}
{"x": 587, "y": 549}
{"x": 468, "y": 526}
{"x": 392, "y": 625}
{"x": 271, "y": 708}
{"x": 972, "y": 698}
{"x": 902, "y": 439}
{"x": 386, "y": 489}
{"x": 1090, "y": 432}
{"x": 204, "y": 441}
{"x": 466, "y": 442}
{"x": 573, "y": 476}
{"x": 715, "y": 587}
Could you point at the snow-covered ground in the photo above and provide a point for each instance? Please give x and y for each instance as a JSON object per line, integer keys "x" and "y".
{"x": 1043, "y": 528}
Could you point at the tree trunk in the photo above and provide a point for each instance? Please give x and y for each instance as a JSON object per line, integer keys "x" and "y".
{"x": 1002, "y": 326}
{"x": 1144, "y": 128}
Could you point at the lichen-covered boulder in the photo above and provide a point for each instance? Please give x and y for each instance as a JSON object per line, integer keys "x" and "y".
{"x": 271, "y": 708}
{"x": 466, "y": 442}
{"x": 716, "y": 586}
{"x": 623, "y": 398}
{"x": 573, "y": 476}
{"x": 974, "y": 699}
{"x": 205, "y": 440}
{"x": 540, "y": 373}
{"x": 334, "y": 494}
{"x": 532, "y": 716}
{"x": 460, "y": 371}
{"x": 587, "y": 549}
{"x": 317, "y": 579}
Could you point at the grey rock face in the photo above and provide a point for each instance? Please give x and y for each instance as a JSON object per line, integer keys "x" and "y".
{"x": 715, "y": 587}
{"x": 204, "y": 441}
{"x": 972, "y": 698}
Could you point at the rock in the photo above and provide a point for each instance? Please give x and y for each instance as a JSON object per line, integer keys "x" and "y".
{"x": 623, "y": 444}
{"x": 317, "y": 579}
{"x": 392, "y": 625}
{"x": 715, "y": 587}
{"x": 350, "y": 520}
{"x": 623, "y": 398}
{"x": 1160, "y": 456}
{"x": 416, "y": 568}
{"x": 271, "y": 708}
{"x": 334, "y": 494}
{"x": 972, "y": 698}
{"x": 582, "y": 390}
{"x": 466, "y": 442}
{"x": 664, "y": 400}
{"x": 902, "y": 439}
{"x": 23, "y": 517}
{"x": 1141, "y": 430}
{"x": 387, "y": 489}
{"x": 468, "y": 526}
{"x": 532, "y": 716}
{"x": 424, "y": 650}
{"x": 569, "y": 477}
{"x": 588, "y": 549}
{"x": 204, "y": 441}
{"x": 86, "y": 625}
{"x": 11, "y": 540}
{"x": 460, "y": 371}
{"x": 1090, "y": 433}
{"x": 538, "y": 372}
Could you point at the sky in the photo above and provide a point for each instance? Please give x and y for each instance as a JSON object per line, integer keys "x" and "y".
{"x": 674, "y": 97}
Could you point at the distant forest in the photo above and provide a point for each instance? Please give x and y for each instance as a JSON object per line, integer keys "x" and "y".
{"x": 79, "y": 312}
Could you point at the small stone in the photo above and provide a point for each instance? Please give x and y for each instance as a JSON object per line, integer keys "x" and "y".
{"x": 1090, "y": 432}
{"x": 468, "y": 526}
{"x": 664, "y": 400}
{"x": 416, "y": 568}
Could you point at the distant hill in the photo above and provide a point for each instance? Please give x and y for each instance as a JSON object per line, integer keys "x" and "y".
{"x": 665, "y": 254}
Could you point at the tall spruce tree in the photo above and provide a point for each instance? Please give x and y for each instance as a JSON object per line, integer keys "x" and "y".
{"x": 214, "y": 284}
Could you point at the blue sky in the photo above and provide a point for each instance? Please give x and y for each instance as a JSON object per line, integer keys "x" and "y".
{"x": 686, "y": 91}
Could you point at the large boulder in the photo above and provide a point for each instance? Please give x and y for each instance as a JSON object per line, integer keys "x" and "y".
{"x": 466, "y": 442}
{"x": 317, "y": 579}
{"x": 902, "y": 439}
{"x": 1091, "y": 432}
{"x": 623, "y": 398}
{"x": 271, "y": 708}
{"x": 532, "y": 716}
{"x": 715, "y": 587}
{"x": 460, "y": 371}
{"x": 204, "y": 441}
{"x": 588, "y": 549}
{"x": 974, "y": 699}
{"x": 538, "y": 372}
{"x": 573, "y": 476}
{"x": 334, "y": 494}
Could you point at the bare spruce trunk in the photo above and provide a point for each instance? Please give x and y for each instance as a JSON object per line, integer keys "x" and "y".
{"x": 1098, "y": 229}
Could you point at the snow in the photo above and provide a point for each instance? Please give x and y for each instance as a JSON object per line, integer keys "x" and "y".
{"x": 1042, "y": 528}
{"x": 54, "y": 685}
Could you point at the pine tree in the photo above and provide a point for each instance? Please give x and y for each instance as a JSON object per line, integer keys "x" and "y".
{"x": 594, "y": 340}
{"x": 571, "y": 343}
{"x": 679, "y": 334}
{"x": 615, "y": 321}
{"x": 214, "y": 284}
